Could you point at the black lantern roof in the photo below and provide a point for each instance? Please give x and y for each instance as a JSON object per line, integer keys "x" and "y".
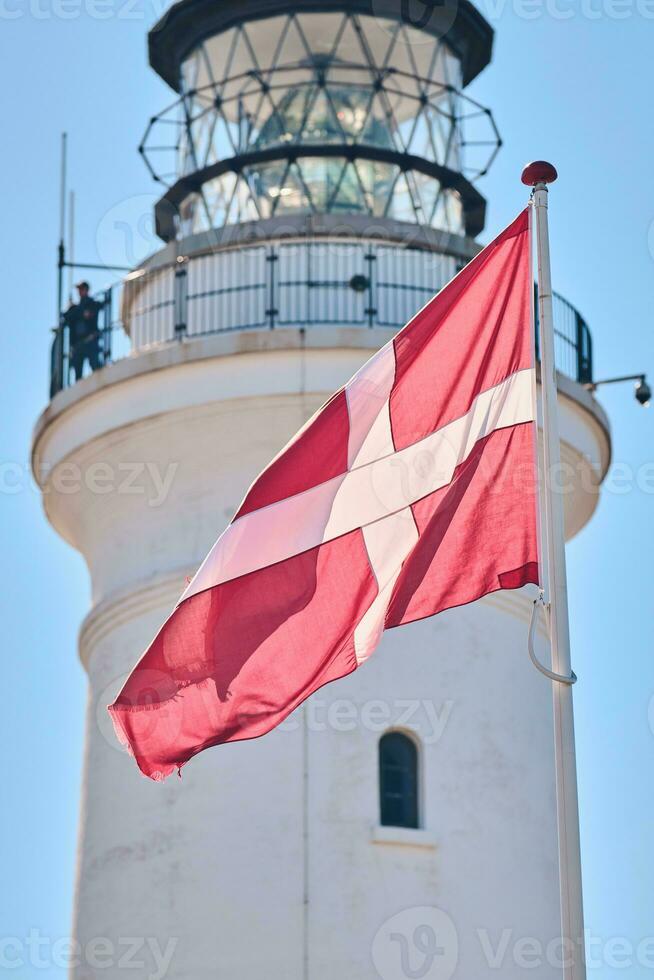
{"x": 189, "y": 22}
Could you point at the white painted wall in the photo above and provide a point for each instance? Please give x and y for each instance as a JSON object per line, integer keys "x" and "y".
{"x": 263, "y": 860}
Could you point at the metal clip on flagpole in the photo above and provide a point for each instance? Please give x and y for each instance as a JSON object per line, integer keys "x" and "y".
{"x": 540, "y": 603}
{"x": 538, "y": 175}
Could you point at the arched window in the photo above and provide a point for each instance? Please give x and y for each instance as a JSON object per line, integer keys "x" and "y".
{"x": 398, "y": 780}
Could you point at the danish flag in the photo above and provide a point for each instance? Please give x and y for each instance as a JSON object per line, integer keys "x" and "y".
{"x": 410, "y": 491}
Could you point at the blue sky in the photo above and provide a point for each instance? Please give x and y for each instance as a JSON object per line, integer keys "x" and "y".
{"x": 570, "y": 82}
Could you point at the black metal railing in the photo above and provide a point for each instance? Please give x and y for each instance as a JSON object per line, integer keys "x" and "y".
{"x": 573, "y": 344}
{"x": 269, "y": 287}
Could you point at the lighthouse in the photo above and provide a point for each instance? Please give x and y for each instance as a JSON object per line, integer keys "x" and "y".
{"x": 319, "y": 164}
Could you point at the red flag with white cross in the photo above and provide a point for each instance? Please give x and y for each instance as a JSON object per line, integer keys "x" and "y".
{"x": 410, "y": 491}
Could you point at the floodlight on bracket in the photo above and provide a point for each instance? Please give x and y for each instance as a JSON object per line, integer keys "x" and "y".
{"x": 642, "y": 390}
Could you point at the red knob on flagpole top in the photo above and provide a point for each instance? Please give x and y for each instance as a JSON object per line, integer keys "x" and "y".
{"x": 539, "y": 172}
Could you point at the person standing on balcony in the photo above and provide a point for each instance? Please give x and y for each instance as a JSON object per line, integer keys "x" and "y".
{"x": 84, "y": 334}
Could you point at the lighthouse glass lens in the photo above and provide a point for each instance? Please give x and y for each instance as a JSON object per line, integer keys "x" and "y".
{"x": 318, "y": 185}
{"x": 374, "y": 92}
{"x": 255, "y": 70}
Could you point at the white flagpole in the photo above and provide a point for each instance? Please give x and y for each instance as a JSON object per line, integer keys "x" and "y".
{"x": 538, "y": 175}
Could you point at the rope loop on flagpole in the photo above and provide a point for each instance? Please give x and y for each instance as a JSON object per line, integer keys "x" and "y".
{"x": 561, "y": 678}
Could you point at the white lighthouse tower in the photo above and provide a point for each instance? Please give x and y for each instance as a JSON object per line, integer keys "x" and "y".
{"x": 318, "y": 165}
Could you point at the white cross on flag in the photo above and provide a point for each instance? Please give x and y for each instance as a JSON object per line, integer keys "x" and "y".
{"x": 410, "y": 491}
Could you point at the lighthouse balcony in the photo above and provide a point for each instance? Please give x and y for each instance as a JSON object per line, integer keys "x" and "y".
{"x": 241, "y": 331}
{"x": 303, "y": 274}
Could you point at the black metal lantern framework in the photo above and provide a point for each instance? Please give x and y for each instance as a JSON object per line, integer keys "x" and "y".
{"x": 319, "y": 108}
